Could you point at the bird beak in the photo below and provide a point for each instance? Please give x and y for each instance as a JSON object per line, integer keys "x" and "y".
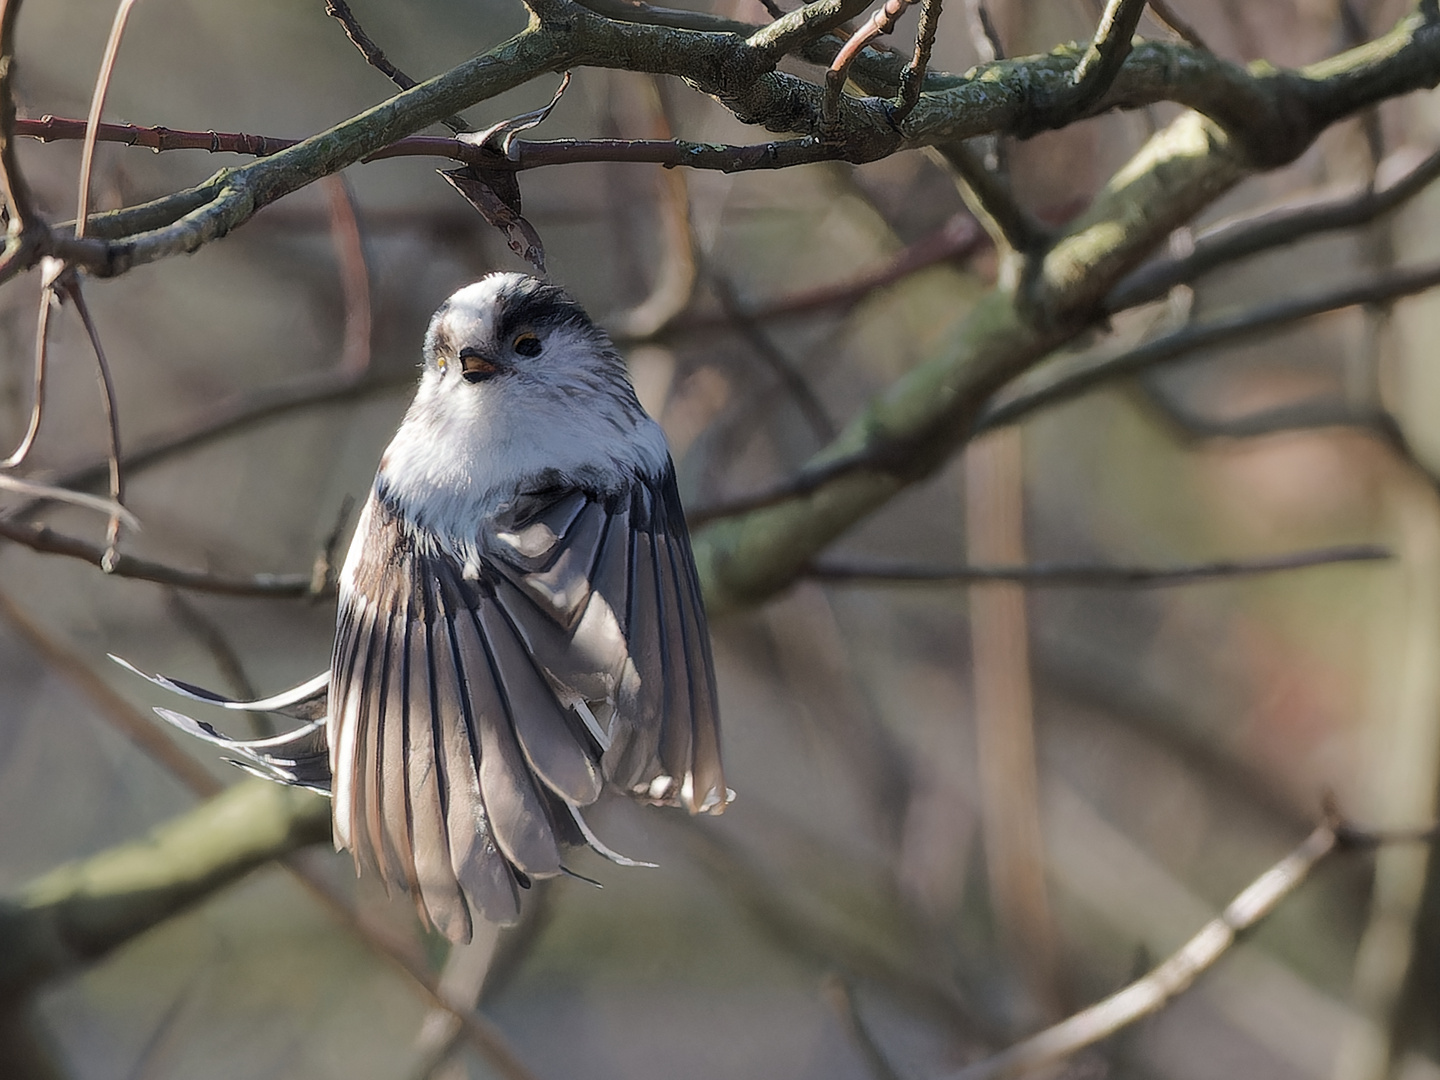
{"x": 476, "y": 367}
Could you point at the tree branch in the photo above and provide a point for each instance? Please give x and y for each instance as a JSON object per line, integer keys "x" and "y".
{"x": 1239, "y": 238}
{"x": 1062, "y": 575}
{"x": 1175, "y": 975}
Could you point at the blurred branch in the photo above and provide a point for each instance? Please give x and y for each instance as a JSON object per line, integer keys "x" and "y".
{"x": 840, "y": 996}
{"x": 81, "y": 911}
{"x": 802, "y": 930}
{"x": 796, "y": 387}
{"x": 1175, "y": 975}
{"x": 988, "y": 196}
{"x": 1061, "y": 575}
{"x": 116, "y": 711}
{"x": 1068, "y": 385}
{"x": 957, "y": 239}
{"x": 1229, "y": 241}
{"x": 1171, "y": 19}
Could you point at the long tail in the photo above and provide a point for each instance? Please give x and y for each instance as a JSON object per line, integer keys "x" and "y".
{"x": 300, "y": 756}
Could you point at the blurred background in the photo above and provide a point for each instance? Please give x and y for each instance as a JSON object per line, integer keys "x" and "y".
{"x": 961, "y": 813}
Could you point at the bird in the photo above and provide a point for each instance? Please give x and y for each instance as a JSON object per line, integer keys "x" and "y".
{"x": 520, "y": 622}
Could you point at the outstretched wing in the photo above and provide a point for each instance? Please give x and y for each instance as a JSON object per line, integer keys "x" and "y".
{"x": 476, "y": 707}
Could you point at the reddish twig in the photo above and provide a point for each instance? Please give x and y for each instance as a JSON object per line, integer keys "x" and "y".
{"x": 879, "y": 24}
{"x": 354, "y": 277}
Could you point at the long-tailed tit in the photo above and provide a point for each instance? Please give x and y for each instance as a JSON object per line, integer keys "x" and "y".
{"x": 519, "y": 623}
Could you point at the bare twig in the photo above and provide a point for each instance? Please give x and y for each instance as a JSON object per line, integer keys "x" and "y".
{"x": 69, "y": 285}
{"x": 18, "y": 200}
{"x": 675, "y": 277}
{"x": 879, "y": 24}
{"x": 1108, "y": 49}
{"x": 983, "y": 32}
{"x": 1377, "y": 289}
{"x": 97, "y": 106}
{"x": 41, "y": 492}
{"x": 354, "y": 278}
{"x": 1229, "y": 241}
{"x": 1167, "y": 981}
{"x": 784, "y": 369}
{"x": 113, "y": 708}
{"x": 957, "y": 239}
{"x": 44, "y": 539}
{"x": 838, "y": 994}
{"x": 340, "y": 11}
{"x": 1062, "y": 575}
{"x": 912, "y": 79}
{"x": 50, "y": 269}
{"x": 1166, "y": 15}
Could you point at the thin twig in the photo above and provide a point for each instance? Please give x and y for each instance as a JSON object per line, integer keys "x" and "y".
{"x": 1107, "y": 52}
{"x": 354, "y": 277}
{"x": 69, "y": 285}
{"x": 50, "y": 269}
{"x": 114, "y": 709}
{"x": 1167, "y": 981}
{"x": 19, "y": 203}
{"x": 239, "y": 413}
{"x": 97, "y": 106}
{"x": 523, "y": 153}
{"x": 44, "y": 539}
{"x": 838, "y": 994}
{"x": 879, "y": 24}
{"x": 675, "y": 277}
{"x": 1070, "y": 575}
{"x": 957, "y": 239}
{"x": 340, "y": 11}
{"x": 774, "y": 358}
{"x": 1167, "y": 16}
{"x": 912, "y": 79}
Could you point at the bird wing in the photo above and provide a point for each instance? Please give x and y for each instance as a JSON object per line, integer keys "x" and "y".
{"x": 464, "y": 694}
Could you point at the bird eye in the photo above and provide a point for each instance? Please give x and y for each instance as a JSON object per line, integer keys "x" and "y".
{"x": 441, "y": 364}
{"x": 526, "y": 344}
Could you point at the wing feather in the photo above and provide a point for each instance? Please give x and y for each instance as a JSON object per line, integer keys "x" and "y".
{"x": 552, "y": 742}
{"x": 392, "y": 738}
{"x": 480, "y": 868}
{"x": 512, "y": 804}
{"x": 439, "y": 890}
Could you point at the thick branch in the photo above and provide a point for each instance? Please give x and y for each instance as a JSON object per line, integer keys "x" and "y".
{"x": 81, "y": 911}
